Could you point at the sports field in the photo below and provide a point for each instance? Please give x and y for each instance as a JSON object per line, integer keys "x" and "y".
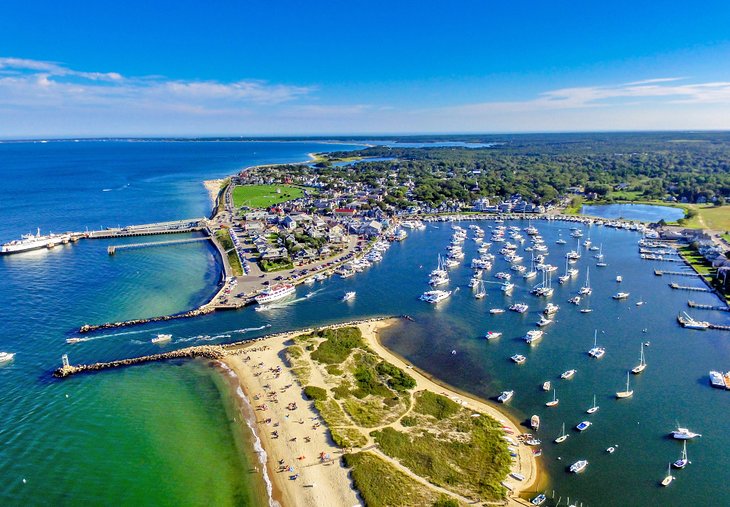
{"x": 264, "y": 196}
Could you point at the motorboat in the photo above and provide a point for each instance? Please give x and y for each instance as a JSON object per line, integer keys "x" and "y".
{"x": 717, "y": 379}
{"x": 535, "y": 422}
{"x": 544, "y": 322}
{"x": 519, "y": 358}
{"x": 349, "y": 295}
{"x": 539, "y": 499}
{"x": 162, "y": 338}
{"x": 533, "y": 336}
{"x": 620, "y": 295}
{"x": 435, "y": 296}
{"x": 550, "y": 309}
{"x": 496, "y": 311}
{"x": 6, "y": 356}
{"x": 275, "y": 293}
{"x": 505, "y": 396}
{"x": 492, "y": 335}
{"x": 568, "y": 374}
{"x": 684, "y": 434}
{"x": 575, "y": 300}
{"x": 583, "y": 425}
{"x": 519, "y": 307}
{"x": 546, "y": 385}
{"x": 579, "y": 466}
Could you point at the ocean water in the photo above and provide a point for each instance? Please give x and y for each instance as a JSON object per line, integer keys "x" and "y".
{"x": 165, "y": 434}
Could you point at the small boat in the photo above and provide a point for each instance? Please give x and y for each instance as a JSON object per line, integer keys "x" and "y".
{"x": 543, "y": 321}
{"x": 517, "y": 476}
{"x": 568, "y": 374}
{"x": 550, "y": 309}
{"x": 539, "y": 499}
{"x": 496, "y": 311}
{"x": 620, "y": 295}
{"x": 596, "y": 352}
{"x": 682, "y": 461}
{"x": 519, "y": 358}
{"x": 583, "y": 425}
{"x": 546, "y": 385}
{"x": 492, "y": 335}
{"x": 619, "y": 279}
{"x": 717, "y": 379}
{"x": 161, "y": 338}
{"x": 628, "y": 393}
{"x": 535, "y": 422}
{"x": 74, "y": 340}
{"x": 519, "y": 307}
{"x": 6, "y": 356}
{"x": 562, "y": 437}
{"x": 669, "y": 478}
{"x": 586, "y": 289}
{"x": 575, "y": 300}
{"x": 594, "y": 408}
{"x": 505, "y": 396}
{"x": 533, "y": 441}
{"x": 481, "y": 292}
{"x": 684, "y": 434}
{"x": 579, "y": 466}
{"x": 554, "y": 402}
{"x": 349, "y": 295}
{"x": 611, "y": 449}
{"x": 533, "y": 336}
{"x": 642, "y": 363}
{"x": 586, "y": 310}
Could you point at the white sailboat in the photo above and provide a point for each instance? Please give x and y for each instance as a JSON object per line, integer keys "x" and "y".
{"x": 554, "y": 402}
{"x": 481, "y": 291}
{"x": 586, "y": 289}
{"x": 642, "y": 363}
{"x": 682, "y": 461}
{"x": 669, "y": 478}
{"x": 628, "y": 392}
{"x": 596, "y": 352}
{"x": 563, "y": 436}
{"x": 594, "y": 408}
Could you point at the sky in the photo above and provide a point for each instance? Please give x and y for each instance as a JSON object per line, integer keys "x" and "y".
{"x": 261, "y": 68}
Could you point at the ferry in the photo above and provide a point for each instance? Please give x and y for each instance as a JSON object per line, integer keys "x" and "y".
{"x": 275, "y": 293}
{"x": 579, "y": 466}
{"x": 35, "y": 241}
{"x": 162, "y": 338}
{"x": 6, "y": 356}
{"x": 717, "y": 379}
{"x": 505, "y": 396}
{"x": 349, "y": 295}
{"x": 492, "y": 335}
{"x": 435, "y": 296}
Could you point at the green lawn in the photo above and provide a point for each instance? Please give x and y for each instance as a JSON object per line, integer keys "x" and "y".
{"x": 716, "y": 218}
{"x": 264, "y": 196}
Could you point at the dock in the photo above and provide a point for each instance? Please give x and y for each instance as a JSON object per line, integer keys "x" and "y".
{"x": 716, "y": 308}
{"x": 173, "y": 227}
{"x": 684, "y": 287}
{"x": 659, "y": 272}
{"x": 112, "y": 249}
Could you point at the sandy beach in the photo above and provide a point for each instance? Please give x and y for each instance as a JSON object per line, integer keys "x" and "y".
{"x": 302, "y": 461}
{"x": 213, "y": 187}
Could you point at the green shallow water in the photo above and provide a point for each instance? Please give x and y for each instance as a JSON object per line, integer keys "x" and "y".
{"x": 155, "y": 435}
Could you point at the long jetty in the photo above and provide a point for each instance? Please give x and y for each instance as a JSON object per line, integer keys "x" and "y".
{"x": 173, "y": 227}
{"x": 700, "y": 306}
{"x": 203, "y": 310}
{"x": 685, "y": 287}
{"x": 213, "y": 352}
{"x": 659, "y": 272}
{"x": 112, "y": 249}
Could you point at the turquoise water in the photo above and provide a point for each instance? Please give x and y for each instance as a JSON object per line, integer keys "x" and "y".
{"x": 640, "y": 212}
{"x": 164, "y": 434}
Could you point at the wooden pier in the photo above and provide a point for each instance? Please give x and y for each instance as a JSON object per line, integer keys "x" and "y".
{"x": 699, "y": 306}
{"x": 111, "y": 250}
{"x": 659, "y": 272}
{"x": 684, "y": 287}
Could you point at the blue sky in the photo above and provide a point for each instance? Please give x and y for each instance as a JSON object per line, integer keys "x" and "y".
{"x": 99, "y": 68}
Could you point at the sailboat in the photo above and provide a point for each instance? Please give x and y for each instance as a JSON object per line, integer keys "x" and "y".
{"x": 593, "y": 408}
{"x": 682, "y": 461}
{"x": 601, "y": 263}
{"x": 554, "y": 402}
{"x": 596, "y": 352}
{"x": 669, "y": 478}
{"x": 562, "y": 437}
{"x": 642, "y": 363}
{"x": 628, "y": 392}
{"x": 586, "y": 289}
{"x": 587, "y": 308}
{"x": 564, "y": 278}
{"x": 481, "y": 292}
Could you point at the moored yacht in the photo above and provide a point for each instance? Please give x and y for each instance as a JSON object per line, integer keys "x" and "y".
{"x": 533, "y": 336}
{"x": 642, "y": 362}
{"x": 492, "y": 335}
{"x": 518, "y": 358}
{"x": 505, "y": 396}
{"x": 519, "y": 307}
{"x": 579, "y": 466}
{"x": 620, "y": 295}
{"x": 682, "y": 461}
{"x": 684, "y": 434}
{"x": 596, "y": 352}
{"x": 628, "y": 393}
{"x": 435, "y": 296}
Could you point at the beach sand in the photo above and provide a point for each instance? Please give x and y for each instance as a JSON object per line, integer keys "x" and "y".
{"x": 213, "y": 187}
{"x": 264, "y": 375}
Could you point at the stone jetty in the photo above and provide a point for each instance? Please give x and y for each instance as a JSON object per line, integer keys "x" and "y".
{"x": 203, "y": 310}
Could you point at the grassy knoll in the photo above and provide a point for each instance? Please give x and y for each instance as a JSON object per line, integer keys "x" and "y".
{"x": 224, "y": 238}
{"x": 337, "y": 344}
{"x": 264, "y": 196}
{"x": 461, "y": 453}
{"x": 381, "y": 484}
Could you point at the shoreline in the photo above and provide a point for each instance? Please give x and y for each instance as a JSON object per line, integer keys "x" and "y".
{"x": 333, "y": 485}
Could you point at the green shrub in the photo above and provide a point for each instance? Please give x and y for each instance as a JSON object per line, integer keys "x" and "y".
{"x": 338, "y": 344}
{"x": 435, "y": 405}
{"x": 334, "y": 370}
{"x": 315, "y": 393}
{"x": 408, "y": 421}
{"x": 399, "y": 380}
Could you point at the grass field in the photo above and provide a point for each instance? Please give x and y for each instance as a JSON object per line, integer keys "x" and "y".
{"x": 264, "y": 196}
{"x": 226, "y": 242}
{"x": 716, "y": 218}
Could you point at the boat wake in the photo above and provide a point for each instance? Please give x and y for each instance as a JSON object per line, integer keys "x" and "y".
{"x": 248, "y": 329}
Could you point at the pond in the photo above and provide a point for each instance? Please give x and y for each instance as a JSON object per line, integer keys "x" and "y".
{"x": 641, "y": 212}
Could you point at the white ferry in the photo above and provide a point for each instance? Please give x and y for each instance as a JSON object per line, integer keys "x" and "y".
{"x": 275, "y": 293}
{"x": 33, "y": 242}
